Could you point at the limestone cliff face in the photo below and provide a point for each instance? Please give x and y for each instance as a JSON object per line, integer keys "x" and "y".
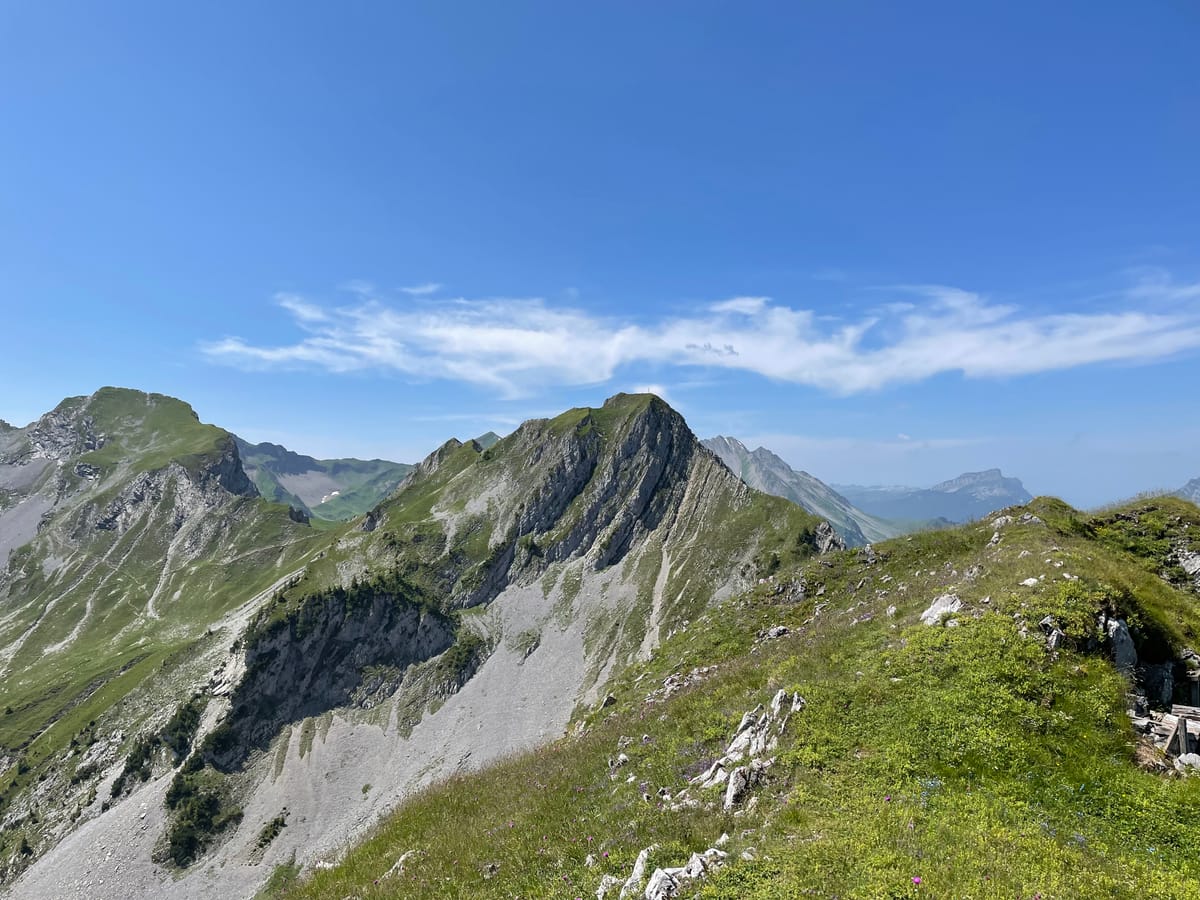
{"x": 190, "y": 492}
{"x": 589, "y": 496}
{"x": 593, "y": 484}
{"x": 628, "y": 493}
{"x": 315, "y": 659}
{"x": 65, "y": 432}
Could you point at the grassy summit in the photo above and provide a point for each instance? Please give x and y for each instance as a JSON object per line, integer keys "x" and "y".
{"x": 133, "y": 564}
{"x": 146, "y": 431}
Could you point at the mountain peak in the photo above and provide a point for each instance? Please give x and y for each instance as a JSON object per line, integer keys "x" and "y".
{"x": 988, "y": 482}
{"x": 1191, "y": 491}
{"x": 730, "y": 445}
{"x": 767, "y": 472}
{"x": 961, "y": 499}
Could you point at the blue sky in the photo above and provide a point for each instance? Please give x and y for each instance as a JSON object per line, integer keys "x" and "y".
{"x": 890, "y": 241}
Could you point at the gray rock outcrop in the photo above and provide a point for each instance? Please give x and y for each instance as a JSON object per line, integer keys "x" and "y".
{"x": 1120, "y": 643}
{"x": 941, "y": 606}
{"x": 827, "y": 539}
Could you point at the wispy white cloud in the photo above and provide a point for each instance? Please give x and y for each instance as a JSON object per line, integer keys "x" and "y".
{"x": 747, "y": 306}
{"x": 422, "y": 290}
{"x": 1155, "y": 285}
{"x": 515, "y": 346}
{"x": 303, "y": 311}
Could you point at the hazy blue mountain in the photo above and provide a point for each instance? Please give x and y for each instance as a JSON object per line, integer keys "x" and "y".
{"x": 1191, "y": 491}
{"x": 962, "y": 499}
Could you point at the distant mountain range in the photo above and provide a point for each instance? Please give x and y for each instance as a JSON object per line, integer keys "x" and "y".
{"x": 1191, "y": 491}
{"x": 962, "y": 499}
{"x": 764, "y": 471}
{"x": 332, "y": 489}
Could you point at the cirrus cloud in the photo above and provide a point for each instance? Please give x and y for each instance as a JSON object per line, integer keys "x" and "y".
{"x": 514, "y": 346}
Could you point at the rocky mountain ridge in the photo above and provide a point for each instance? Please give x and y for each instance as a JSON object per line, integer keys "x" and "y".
{"x": 468, "y": 616}
{"x": 764, "y": 471}
{"x": 1190, "y": 491}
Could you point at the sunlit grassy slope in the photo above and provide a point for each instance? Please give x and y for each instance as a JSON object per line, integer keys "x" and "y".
{"x": 90, "y": 613}
{"x": 960, "y": 761}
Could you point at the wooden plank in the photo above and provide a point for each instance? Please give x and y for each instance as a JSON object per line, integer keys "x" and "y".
{"x": 1178, "y": 743}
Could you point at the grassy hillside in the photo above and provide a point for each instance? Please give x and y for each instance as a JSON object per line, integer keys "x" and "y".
{"x": 960, "y": 759}
{"x": 146, "y": 431}
{"x": 123, "y": 582}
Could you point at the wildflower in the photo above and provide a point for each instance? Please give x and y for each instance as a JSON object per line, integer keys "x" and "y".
{"x": 916, "y": 879}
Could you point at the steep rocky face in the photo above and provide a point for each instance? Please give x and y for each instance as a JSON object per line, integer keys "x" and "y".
{"x": 598, "y": 494}
{"x": 190, "y": 494}
{"x": 314, "y": 660}
{"x": 764, "y": 471}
